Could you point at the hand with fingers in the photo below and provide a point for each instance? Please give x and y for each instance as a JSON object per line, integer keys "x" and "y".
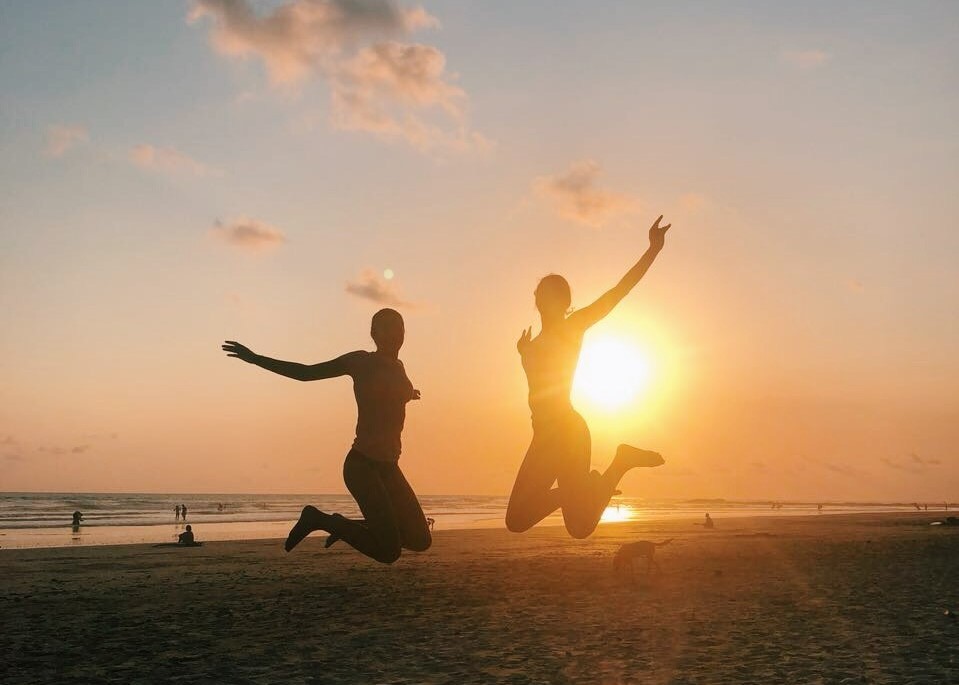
{"x": 524, "y": 340}
{"x": 657, "y": 234}
{"x": 235, "y": 349}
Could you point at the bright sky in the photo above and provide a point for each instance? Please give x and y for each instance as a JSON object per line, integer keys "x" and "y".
{"x": 173, "y": 174}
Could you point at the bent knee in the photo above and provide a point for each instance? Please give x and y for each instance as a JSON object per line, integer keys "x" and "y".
{"x": 516, "y": 524}
{"x": 420, "y": 544}
{"x": 578, "y": 530}
{"x": 388, "y": 555}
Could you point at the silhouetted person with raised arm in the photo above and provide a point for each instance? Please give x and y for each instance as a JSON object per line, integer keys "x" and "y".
{"x": 560, "y": 450}
{"x": 392, "y": 517}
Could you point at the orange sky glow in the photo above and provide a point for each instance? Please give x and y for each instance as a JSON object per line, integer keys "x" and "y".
{"x": 175, "y": 175}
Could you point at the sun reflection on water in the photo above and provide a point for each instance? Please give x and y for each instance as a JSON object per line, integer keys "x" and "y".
{"x": 618, "y": 512}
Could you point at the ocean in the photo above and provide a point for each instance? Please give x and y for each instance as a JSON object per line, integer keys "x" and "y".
{"x": 44, "y": 519}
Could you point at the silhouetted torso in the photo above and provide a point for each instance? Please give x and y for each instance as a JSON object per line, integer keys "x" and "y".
{"x": 550, "y": 361}
{"x": 382, "y": 390}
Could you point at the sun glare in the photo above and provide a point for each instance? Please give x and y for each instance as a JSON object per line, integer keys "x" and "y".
{"x": 617, "y": 512}
{"x": 611, "y": 373}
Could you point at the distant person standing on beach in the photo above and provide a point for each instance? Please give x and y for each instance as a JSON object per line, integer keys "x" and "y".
{"x": 77, "y": 517}
{"x": 560, "y": 449}
{"x": 708, "y": 523}
{"x": 392, "y": 517}
{"x": 176, "y": 512}
{"x": 183, "y": 511}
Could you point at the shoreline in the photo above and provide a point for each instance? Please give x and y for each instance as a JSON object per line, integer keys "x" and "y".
{"x": 278, "y": 530}
{"x": 843, "y": 598}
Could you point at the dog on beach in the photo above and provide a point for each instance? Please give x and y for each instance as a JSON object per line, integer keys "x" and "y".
{"x": 626, "y": 554}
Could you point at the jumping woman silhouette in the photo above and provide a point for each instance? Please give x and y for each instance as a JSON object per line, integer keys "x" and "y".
{"x": 393, "y": 519}
{"x": 560, "y": 450}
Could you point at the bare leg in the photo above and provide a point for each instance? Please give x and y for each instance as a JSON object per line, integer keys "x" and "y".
{"x": 560, "y": 446}
{"x": 630, "y": 458}
{"x": 533, "y": 497}
{"x": 585, "y": 499}
{"x": 562, "y": 456}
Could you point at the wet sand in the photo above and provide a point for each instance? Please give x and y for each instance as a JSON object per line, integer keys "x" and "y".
{"x": 819, "y": 599}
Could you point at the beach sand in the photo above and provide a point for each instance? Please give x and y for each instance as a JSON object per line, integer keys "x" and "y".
{"x": 820, "y": 599}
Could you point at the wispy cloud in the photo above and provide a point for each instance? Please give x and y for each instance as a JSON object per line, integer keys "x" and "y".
{"x": 378, "y": 90}
{"x": 370, "y": 285}
{"x": 575, "y": 197}
{"x": 167, "y": 161}
{"x": 378, "y": 85}
{"x": 911, "y": 463}
{"x": 840, "y": 468}
{"x": 805, "y": 59}
{"x": 855, "y": 285}
{"x": 59, "y": 449}
{"x": 300, "y": 37}
{"x": 61, "y": 138}
{"x": 248, "y": 234}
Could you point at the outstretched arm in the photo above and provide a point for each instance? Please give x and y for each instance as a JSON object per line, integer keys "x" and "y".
{"x": 587, "y": 316}
{"x": 300, "y": 372}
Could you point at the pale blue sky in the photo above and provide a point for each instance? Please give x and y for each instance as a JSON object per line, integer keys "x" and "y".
{"x": 807, "y": 155}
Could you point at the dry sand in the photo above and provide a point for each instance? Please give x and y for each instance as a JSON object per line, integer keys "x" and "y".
{"x": 827, "y": 599}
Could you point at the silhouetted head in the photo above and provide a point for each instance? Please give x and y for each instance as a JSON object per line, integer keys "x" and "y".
{"x": 387, "y": 330}
{"x": 189, "y": 527}
{"x": 552, "y": 295}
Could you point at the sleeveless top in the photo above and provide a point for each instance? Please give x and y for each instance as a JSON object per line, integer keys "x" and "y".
{"x": 382, "y": 390}
{"x": 549, "y": 361}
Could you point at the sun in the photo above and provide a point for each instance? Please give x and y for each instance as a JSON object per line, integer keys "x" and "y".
{"x": 611, "y": 373}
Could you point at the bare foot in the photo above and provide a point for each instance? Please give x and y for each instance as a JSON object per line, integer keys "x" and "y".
{"x": 311, "y": 519}
{"x": 632, "y": 457}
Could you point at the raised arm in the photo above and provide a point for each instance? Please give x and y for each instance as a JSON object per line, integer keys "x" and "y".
{"x": 597, "y": 311}
{"x": 340, "y": 366}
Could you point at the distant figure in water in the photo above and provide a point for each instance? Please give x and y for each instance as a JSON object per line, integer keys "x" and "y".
{"x": 176, "y": 512}
{"x": 392, "y": 517}
{"x": 429, "y": 522}
{"x": 77, "y": 517}
{"x": 186, "y": 537}
{"x": 183, "y": 511}
{"x": 219, "y": 506}
{"x": 916, "y": 505}
{"x": 819, "y": 508}
{"x": 708, "y": 523}
{"x": 560, "y": 450}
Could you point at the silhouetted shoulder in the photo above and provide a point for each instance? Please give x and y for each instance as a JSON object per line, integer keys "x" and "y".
{"x": 354, "y": 362}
